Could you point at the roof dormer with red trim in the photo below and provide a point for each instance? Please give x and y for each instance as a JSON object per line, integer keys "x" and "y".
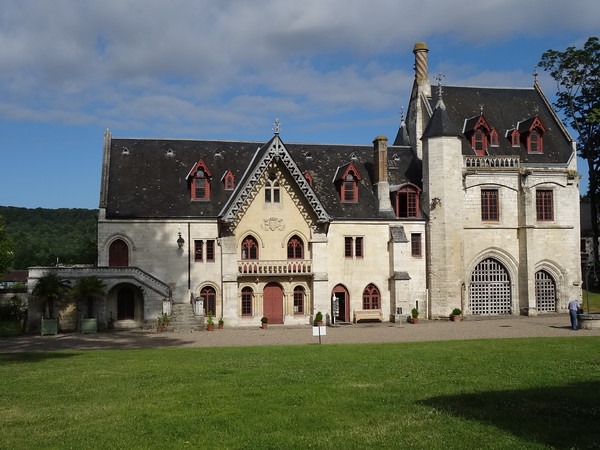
{"x": 532, "y": 133}
{"x": 346, "y": 180}
{"x": 228, "y": 180}
{"x": 199, "y": 180}
{"x": 479, "y": 132}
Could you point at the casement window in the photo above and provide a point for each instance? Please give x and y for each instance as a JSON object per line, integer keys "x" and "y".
{"x": 479, "y": 142}
{"x": 247, "y": 300}
{"x": 415, "y": 245}
{"x": 407, "y": 202}
{"x": 534, "y": 142}
{"x": 299, "y": 300}
{"x": 209, "y": 296}
{"x": 371, "y": 298}
{"x": 272, "y": 188}
{"x": 353, "y": 246}
{"x": 515, "y": 138}
{"x": 494, "y": 138}
{"x": 544, "y": 205}
{"x": 199, "y": 250}
{"x": 295, "y": 248}
{"x": 349, "y": 189}
{"x": 489, "y": 205}
{"x": 249, "y": 248}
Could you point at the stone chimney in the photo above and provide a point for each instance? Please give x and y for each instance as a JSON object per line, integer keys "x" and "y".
{"x": 421, "y": 71}
{"x": 382, "y": 185}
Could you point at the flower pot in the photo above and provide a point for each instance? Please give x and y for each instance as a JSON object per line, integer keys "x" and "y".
{"x": 456, "y": 318}
{"x": 210, "y": 327}
{"x": 263, "y": 326}
{"x": 220, "y": 326}
{"x": 415, "y": 320}
{"x": 49, "y": 326}
{"x": 89, "y": 325}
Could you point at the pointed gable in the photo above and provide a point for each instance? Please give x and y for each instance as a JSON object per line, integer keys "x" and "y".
{"x": 272, "y": 152}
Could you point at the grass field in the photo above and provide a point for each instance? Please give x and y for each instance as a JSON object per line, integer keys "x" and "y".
{"x": 594, "y": 301}
{"x": 506, "y": 393}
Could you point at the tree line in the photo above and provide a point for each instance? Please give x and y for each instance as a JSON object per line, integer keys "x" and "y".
{"x": 43, "y": 237}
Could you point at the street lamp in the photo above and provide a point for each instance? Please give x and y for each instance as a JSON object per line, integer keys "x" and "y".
{"x": 180, "y": 241}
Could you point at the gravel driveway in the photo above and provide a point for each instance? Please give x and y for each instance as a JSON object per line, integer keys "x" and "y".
{"x": 552, "y": 325}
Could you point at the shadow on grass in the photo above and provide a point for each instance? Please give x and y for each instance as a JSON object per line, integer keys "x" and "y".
{"x": 76, "y": 341}
{"x": 32, "y": 357}
{"x": 559, "y": 416}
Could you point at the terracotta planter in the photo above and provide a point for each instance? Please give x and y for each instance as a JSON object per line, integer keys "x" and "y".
{"x": 415, "y": 320}
{"x": 263, "y": 326}
{"x": 456, "y": 318}
{"x": 210, "y": 327}
{"x": 220, "y": 327}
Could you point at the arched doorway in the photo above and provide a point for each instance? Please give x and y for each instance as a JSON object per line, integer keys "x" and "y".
{"x": 273, "y": 303}
{"x": 490, "y": 289}
{"x": 118, "y": 254}
{"x": 545, "y": 292}
{"x": 340, "y": 304}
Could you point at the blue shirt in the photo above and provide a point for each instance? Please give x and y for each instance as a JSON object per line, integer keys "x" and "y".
{"x": 573, "y": 305}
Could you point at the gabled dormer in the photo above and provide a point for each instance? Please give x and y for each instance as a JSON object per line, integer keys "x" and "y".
{"x": 532, "y": 134}
{"x": 479, "y": 132}
{"x": 346, "y": 181}
{"x": 228, "y": 180}
{"x": 514, "y": 137}
{"x": 199, "y": 181}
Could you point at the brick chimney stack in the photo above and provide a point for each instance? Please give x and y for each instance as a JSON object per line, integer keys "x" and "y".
{"x": 421, "y": 70}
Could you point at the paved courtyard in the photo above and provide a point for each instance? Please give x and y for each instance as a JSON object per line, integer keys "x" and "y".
{"x": 553, "y": 325}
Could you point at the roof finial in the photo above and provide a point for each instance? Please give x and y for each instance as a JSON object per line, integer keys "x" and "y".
{"x": 401, "y": 115}
{"x": 481, "y": 109}
{"x": 440, "y": 103}
{"x": 535, "y": 75}
{"x": 277, "y": 126}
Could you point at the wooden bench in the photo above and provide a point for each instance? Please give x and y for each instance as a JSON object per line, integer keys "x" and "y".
{"x": 368, "y": 314}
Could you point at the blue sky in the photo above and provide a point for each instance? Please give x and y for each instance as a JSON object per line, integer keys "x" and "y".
{"x": 335, "y": 71}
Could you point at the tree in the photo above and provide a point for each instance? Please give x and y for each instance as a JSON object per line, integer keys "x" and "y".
{"x": 89, "y": 289}
{"x": 48, "y": 289}
{"x": 577, "y": 75}
{"x": 6, "y": 249}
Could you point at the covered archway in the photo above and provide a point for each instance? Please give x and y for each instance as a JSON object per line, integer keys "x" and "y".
{"x": 340, "y": 304}
{"x": 490, "y": 288}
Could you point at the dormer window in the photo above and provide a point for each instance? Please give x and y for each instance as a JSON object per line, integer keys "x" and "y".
{"x": 272, "y": 194}
{"x": 494, "y": 138}
{"x": 347, "y": 183}
{"x": 532, "y": 132}
{"x": 406, "y": 203}
{"x": 515, "y": 138}
{"x": 309, "y": 178}
{"x": 199, "y": 179}
{"x": 481, "y": 135}
{"x": 229, "y": 181}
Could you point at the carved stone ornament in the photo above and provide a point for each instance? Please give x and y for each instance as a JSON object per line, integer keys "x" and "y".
{"x": 273, "y": 223}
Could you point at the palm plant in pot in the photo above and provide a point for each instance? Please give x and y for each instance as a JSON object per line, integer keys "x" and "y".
{"x": 48, "y": 290}
{"x": 89, "y": 289}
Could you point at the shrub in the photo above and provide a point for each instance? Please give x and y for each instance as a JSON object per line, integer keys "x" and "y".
{"x": 12, "y": 310}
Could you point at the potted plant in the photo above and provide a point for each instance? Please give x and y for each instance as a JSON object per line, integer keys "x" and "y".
{"x": 264, "y": 320}
{"x": 319, "y": 319}
{"x": 456, "y": 315}
{"x": 159, "y": 324}
{"x": 221, "y": 323}
{"x": 415, "y": 316}
{"x": 166, "y": 319}
{"x": 210, "y": 324}
{"x": 48, "y": 290}
{"x": 89, "y": 289}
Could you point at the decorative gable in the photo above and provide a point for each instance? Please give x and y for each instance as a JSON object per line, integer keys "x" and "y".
{"x": 479, "y": 132}
{"x": 532, "y": 133}
{"x": 346, "y": 181}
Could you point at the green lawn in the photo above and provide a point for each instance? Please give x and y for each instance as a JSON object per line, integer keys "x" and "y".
{"x": 594, "y": 301}
{"x": 506, "y": 393}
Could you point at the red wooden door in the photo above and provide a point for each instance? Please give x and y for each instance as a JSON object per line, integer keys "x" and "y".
{"x": 273, "y": 303}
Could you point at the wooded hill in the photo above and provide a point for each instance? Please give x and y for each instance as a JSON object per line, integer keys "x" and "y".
{"x": 42, "y": 236}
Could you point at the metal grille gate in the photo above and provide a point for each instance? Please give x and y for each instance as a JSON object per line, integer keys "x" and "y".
{"x": 545, "y": 292}
{"x": 489, "y": 291}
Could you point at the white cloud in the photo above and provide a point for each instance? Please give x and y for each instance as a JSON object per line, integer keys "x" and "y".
{"x": 188, "y": 64}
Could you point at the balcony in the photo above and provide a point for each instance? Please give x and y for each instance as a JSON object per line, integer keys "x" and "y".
{"x": 285, "y": 267}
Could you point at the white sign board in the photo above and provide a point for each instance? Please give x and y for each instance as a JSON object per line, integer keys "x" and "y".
{"x": 319, "y": 331}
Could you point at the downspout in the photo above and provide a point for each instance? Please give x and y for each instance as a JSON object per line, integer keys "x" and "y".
{"x": 188, "y": 258}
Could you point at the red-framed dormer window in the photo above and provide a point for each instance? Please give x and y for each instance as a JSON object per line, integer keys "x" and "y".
{"x": 229, "y": 181}
{"x": 534, "y": 142}
{"x": 407, "y": 202}
{"x": 348, "y": 184}
{"x": 309, "y": 178}
{"x": 494, "y": 138}
{"x": 199, "y": 178}
{"x": 515, "y": 138}
{"x": 479, "y": 142}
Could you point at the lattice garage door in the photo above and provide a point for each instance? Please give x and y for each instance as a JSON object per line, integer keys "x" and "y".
{"x": 489, "y": 292}
{"x": 545, "y": 292}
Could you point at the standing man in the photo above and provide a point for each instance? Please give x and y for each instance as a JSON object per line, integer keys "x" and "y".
{"x": 573, "y": 310}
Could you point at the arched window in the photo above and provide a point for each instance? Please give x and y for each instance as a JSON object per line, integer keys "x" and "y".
{"x": 229, "y": 181}
{"x": 209, "y": 296}
{"x": 494, "y": 138}
{"x": 249, "y": 248}
{"x": 118, "y": 254}
{"x": 407, "y": 202}
{"x": 371, "y": 297}
{"x": 534, "y": 142}
{"x": 295, "y": 248}
{"x": 247, "y": 300}
{"x": 309, "y": 178}
{"x": 515, "y": 139}
{"x": 299, "y": 300}
{"x": 272, "y": 194}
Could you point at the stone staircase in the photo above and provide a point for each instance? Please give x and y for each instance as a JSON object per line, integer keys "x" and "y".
{"x": 183, "y": 318}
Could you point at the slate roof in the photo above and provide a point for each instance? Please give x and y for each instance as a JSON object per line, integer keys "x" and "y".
{"x": 504, "y": 109}
{"x": 146, "y": 178}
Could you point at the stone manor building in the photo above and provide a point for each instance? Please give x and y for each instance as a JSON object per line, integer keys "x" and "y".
{"x": 474, "y": 205}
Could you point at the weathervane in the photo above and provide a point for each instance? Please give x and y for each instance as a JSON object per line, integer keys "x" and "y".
{"x": 481, "y": 109}
{"x": 276, "y": 126}
{"x": 439, "y": 78}
{"x": 535, "y": 74}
